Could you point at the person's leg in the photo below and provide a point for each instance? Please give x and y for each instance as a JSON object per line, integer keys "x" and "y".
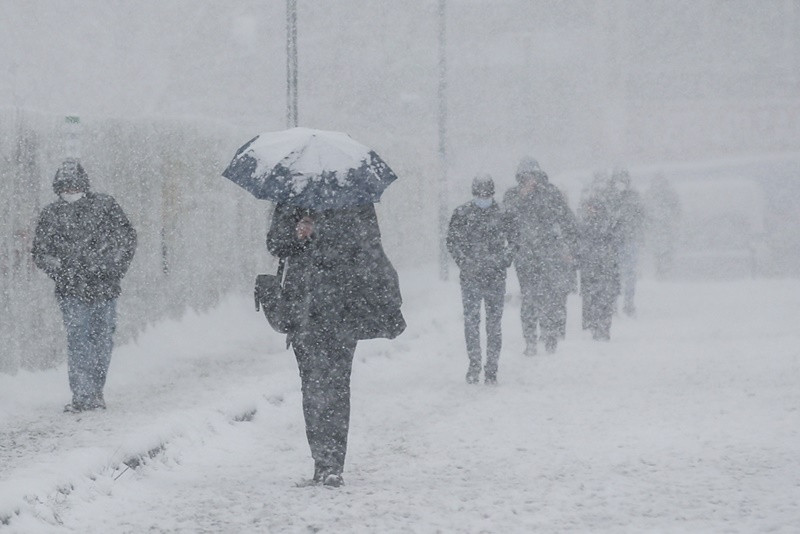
{"x": 628, "y": 274}
{"x": 605, "y": 313}
{"x": 590, "y": 309}
{"x": 494, "y": 299}
{"x": 603, "y": 308}
{"x": 528, "y": 312}
{"x": 305, "y": 354}
{"x": 337, "y": 413}
{"x": 585, "y": 308}
{"x": 471, "y": 299}
{"x": 561, "y": 316}
{"x": 325, "y": 364}
{"x": 550, "y": 320}
{"x": 76, "y": 317}
{"x": 103, "y": 322}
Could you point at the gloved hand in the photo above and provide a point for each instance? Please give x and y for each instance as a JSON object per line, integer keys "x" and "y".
{"x": 105, "y": 266}
{"x": 461, "y": 261}
{"x": 72, "y": 271}
{"x": 508, "y": 258}
{"x": 50, "y": 264}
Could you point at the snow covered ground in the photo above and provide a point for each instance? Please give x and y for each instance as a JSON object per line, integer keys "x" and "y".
{"x": 687, "y": 421}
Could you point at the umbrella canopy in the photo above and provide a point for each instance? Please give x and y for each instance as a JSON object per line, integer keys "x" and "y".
{"x": 314, "y": 169}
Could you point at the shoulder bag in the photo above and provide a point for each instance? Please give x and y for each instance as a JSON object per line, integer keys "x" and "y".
{"x": 269, "y": 296}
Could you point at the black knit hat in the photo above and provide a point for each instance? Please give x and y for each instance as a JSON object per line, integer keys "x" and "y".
{"x": 70, "y": 176}
{"x": 482, "y": 186}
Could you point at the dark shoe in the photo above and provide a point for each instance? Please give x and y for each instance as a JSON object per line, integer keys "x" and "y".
{"x": 333, "y": 480}
{"x": 473, "y": 373}
{"x": 97, "y": 403}
{"x": 74, "y": 407}
{"x": 600, "y": 335}
{"x": 550, "y": 345}
{"x": 319, "y": 473}
{"x": 490, "y": 380}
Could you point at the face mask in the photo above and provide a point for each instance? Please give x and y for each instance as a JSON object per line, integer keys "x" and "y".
{"x": 72, "y": 197}
{"x": 482, "y": 202}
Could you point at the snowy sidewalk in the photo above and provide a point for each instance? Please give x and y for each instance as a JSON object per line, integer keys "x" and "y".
{"x": 686, "y": 421}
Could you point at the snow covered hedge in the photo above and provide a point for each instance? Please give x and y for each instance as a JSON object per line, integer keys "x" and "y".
{"x": 200, "y": 236}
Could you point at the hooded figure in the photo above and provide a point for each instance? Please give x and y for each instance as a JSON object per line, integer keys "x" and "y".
{"x": 601, "y": 239}
{"x": 477, "y": 240}
{"x": 663, "y": 220}
{"x": 630, "y": 212}
{"x": 544, "y": 240}
{"x": 70, "y": 178}
{"x": 340, "y": 288}
{"x": 85, "y": 243}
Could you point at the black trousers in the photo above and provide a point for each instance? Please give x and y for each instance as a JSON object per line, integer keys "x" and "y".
{"x": 598, "y": 310}
{"x": 325, "y": 361}
{"x": 545, "y": 308}
{"x": 492, "y": 293}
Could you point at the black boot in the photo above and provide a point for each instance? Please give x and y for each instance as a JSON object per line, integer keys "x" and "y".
{"x": 333, "y": 480}
{"x": 473, "y": 373}
{"x": 473, "y": 376}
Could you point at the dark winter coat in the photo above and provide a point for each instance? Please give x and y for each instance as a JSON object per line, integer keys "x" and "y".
{"x": 544, "y": 238}
{"x": 477, "y": 240}
{"x": 601, "y": 236}
{"x": 85, "y": 246}
{"x": 339, "y": 280}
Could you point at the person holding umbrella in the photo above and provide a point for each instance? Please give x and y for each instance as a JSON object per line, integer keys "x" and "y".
{"x": 339, "y": 286}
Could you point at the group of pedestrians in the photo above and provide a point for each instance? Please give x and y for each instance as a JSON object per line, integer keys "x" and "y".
{"x": 612, "y": 225}
{"x": 339, "y": 287}
{"x": 537, "y": 232}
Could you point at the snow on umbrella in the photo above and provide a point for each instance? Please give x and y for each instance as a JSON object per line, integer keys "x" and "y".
{"x": 314, "y": 169}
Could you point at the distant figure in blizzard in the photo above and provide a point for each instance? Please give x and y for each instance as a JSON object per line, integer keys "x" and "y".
{"x": 85, "y": 243}
{"x": 340, "y": 287}
{"x": 599, "y": 261}
{"x": 630, "y": 212}
{"x": 544, "y": 240}
{"x": 477, "y": 240}
{"x": 663, "y": 221}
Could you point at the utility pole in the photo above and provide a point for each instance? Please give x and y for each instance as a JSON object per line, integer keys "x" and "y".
{"x": 72, "y": 137}
{"x": 291, "y": 64}
{"x": 443, "y": 211}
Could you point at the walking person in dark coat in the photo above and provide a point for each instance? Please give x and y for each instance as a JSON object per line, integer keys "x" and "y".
{"x": 631, "y": 216}
{"x": 340, "y": 287}
{"x": 85, "y": 243}
{"x": 599, "y": 262}
{"x": 544, "y": 239}
{"x": 477, "y": 241}
{"x": 663, "y": 221}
